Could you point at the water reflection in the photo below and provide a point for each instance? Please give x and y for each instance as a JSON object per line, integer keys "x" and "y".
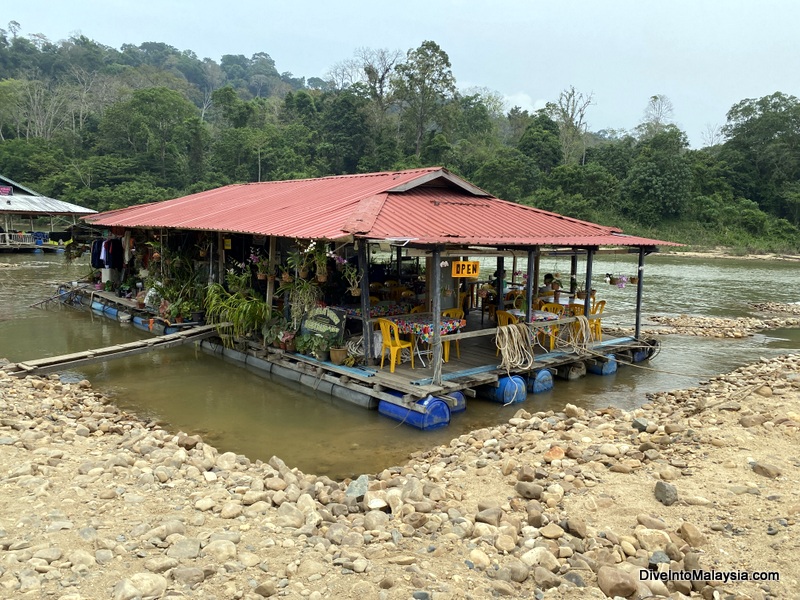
{"x": 258, "y": 415}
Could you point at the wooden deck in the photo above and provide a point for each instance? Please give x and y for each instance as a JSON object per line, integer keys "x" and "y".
{"x": 477, "y": 366}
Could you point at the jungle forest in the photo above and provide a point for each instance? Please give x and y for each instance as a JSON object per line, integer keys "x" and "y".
{"x": 107, "y": 128}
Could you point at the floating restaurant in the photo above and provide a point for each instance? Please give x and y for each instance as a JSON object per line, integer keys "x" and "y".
{"x": 375, "y": 287}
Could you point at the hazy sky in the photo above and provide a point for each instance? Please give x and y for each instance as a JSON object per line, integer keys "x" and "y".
{"x": 704, "y": 55}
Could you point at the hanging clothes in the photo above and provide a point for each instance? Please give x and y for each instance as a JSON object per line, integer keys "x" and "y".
{"x": 97, "y": 249}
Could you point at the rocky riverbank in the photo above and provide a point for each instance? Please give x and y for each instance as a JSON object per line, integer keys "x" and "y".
{"x": 97, "y": 504}
{"x": 718, "y": 327}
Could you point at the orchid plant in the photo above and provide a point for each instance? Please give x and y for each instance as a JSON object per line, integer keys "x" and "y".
{"x": 259, "y": 261}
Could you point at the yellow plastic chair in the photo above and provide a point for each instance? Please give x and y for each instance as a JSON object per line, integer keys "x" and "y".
{"x": 389, "y": 283}
{"x": 557, "y": 309}
{"x": 392, "y": 342}
{"x": 597, "y": 329}
{"x": 462, "y": 298}
{"x": 375, "y": 286}
{"x": 396, "y": 292}
{"x": 576, "y": 310}
{"x": 418, "y": 309}
{"x": 452, "y": 313}
{"x": 504, "y": 318}
{"x": 407, "y": 295}
{"x": 373, "y": 300}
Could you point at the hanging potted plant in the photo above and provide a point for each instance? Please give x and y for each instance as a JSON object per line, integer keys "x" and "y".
{"x": 299, "y": 261}
{"x": 633, "y": 279}
{"x": 261, "y": 263}
{"x": 321, "y": 262}
{"x": 303, "y": 296}
{"x": 353, "y": 278}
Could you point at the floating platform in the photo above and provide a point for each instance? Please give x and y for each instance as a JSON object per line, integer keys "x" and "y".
{"x": 476, "y": 374}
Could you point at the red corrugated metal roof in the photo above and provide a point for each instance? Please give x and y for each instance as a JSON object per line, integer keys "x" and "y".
{"x": 428, "y": 206}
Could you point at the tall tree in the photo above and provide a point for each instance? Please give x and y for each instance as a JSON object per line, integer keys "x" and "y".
{"x": 657, "y": 116}
{"x": 423, "y": 84}
{"x": 570, "y": 114}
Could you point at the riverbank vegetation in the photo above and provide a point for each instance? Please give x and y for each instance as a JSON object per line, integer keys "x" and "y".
{"x": 107, "y": 128}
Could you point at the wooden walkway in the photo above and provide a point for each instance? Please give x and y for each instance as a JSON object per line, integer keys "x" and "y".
{"x": 68, "y": 361}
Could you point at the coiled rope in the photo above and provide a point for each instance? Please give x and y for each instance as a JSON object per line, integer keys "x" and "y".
{"x": 515, "y": 343}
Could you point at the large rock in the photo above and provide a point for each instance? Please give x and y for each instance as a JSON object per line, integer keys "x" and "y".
{"x": 666, "y": 493}
{"x": 290, "y": 516}
{"x": 614, "y": 582}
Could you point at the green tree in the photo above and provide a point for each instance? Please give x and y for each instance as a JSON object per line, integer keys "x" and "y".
{"x": 658, "y": 185}
{"x": 569, "y": 112}
{"x": 154, "y": 127}
{"x": 541, "y": 143}
{"x": 509, "y": 175}
{"x": 763, "y": 142}
{"x": 423, "y": 84}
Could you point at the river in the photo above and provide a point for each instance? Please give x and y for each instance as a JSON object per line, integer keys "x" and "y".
{"x": 244, "y": 411}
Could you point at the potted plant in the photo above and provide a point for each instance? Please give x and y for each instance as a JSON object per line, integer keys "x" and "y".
{"x": 203, "y": 246}
{"x": 303, "y": 296}
{"x": 260, "y": 262}
{"x": 140, "y": 299}
{"x": 338, "y": 349}
{"x": 322, "y": 347}
{"x": 300, "y": 260}
{"x": 321, "y": 261}
{"x": 353, "y": 278}
{"x": 175, "y": 311}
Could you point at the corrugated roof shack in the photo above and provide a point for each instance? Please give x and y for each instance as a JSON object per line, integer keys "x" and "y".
{"x": 21, "y": 203}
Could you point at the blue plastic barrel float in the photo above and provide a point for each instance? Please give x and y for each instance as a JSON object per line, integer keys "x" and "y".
{"x": 460, "y": 402}
{"x": 541, "y": 381}
{"x": 436, "y": 415}
{"x": 606, "y": 367}
{"x": 509, "y": 390}
{"x": 107, "y": 311}
{"x": 649, "y": 348}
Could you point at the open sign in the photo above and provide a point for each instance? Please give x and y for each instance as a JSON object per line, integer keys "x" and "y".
{"x": 466, "y": 268}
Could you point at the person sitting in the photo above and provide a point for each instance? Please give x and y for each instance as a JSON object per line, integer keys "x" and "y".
{"x": 548, "y": 284}
{"x": 499, "y": 278}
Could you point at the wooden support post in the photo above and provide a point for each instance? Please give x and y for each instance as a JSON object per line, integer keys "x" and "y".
{"x": 573, "y": 272}
{"x": 639, "y": 288}
{"x": 366, "y": 328}
{"x": 500, "y": 283}
{"x": 271, "y": 276}
{"x": 436, "y": 283}
{"x": 533, "y": 257}
{"x": 587, "y": 302}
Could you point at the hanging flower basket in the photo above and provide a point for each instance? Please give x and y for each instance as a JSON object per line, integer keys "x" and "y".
{"x": 322, "y": 277}
{"x": 613, "y": 280}
{"x": 633, "y": 279}
{"x": 355, "y": 291}
{"x": 286, "y": 278}
{"x": 261, "y": 276}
